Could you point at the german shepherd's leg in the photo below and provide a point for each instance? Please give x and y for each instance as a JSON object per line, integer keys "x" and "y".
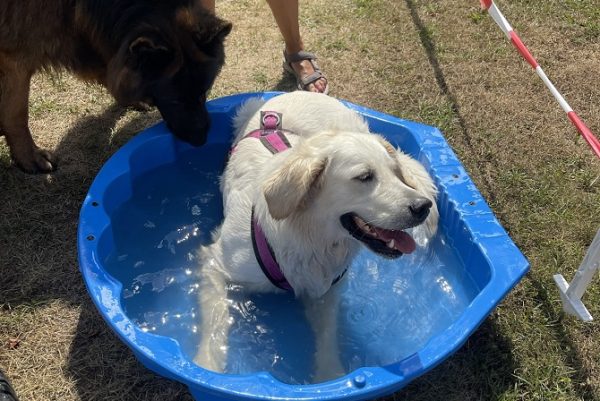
{"x": 14, "y": 116}
{"x": 214, "y": 329}
{"x": 322, "y": 315}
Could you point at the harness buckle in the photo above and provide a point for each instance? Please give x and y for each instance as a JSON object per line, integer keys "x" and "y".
{"x": 270, "y": 120}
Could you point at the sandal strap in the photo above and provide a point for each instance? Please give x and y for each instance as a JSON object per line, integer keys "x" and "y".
{"x": 311, "y": 78}
{"x": 303, "y": 83}
{"x": 298, "y": 56}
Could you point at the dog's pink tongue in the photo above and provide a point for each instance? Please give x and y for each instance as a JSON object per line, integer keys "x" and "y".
{"x": 402, "y": 241}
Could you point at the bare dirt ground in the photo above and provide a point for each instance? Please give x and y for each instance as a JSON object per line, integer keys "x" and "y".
{"x": 442, "y": 63}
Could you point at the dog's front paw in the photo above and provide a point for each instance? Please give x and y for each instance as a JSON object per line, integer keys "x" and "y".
{"x": 36, "y": 160}
{"x": 141, "y": 106}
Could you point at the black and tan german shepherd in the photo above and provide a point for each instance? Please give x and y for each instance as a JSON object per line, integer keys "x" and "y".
{"x": 161, "y": 52}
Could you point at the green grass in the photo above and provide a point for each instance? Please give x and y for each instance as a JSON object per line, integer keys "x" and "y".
{"x": 478, "y": 16}
{"x": 579, "y": 16}
{"x": 4, "y": 156}
{"x": 338, "y": 45}
{"x": 366, "y": 8}
{"x": 261, "y": 79}
{"x": 439, "y": 114}
{"x": 42, "y": 106}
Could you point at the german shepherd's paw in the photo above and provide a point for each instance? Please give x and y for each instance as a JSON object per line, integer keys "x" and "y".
{"x": 141, "y": 107}
{"x": 34, "y": 161}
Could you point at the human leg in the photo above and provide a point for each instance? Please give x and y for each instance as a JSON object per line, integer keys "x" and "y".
{"x": 286, "y": 16}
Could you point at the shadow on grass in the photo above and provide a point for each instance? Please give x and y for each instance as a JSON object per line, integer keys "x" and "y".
{"x": 38, "y": 258}
{"x": 104, "y": 369}
{"x": 582, "y": 388}
{"x": 39, "y": 214}
{"x": 481, "y": 370}
{"x": 429, "y": 46}
{"x": 286, "y": 83}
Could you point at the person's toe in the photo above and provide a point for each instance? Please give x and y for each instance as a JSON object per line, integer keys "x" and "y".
{"x": 304, "y": 68}
{"x": 320, "y": 85}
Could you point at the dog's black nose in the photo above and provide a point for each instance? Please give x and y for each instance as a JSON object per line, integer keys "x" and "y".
{"x": 419, "y": 207}
{"x": 196, "y": 140}
{"x": 195, "y": 135}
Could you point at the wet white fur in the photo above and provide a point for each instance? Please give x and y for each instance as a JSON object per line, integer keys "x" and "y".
{"x": 298, "y": 196}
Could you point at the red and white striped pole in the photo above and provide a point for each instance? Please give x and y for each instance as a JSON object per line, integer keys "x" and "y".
{"x": 495, "y": 13}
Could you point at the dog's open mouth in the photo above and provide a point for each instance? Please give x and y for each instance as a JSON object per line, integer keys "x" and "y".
{"x": 388, "y": 243}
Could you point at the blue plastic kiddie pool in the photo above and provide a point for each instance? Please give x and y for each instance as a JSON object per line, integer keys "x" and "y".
{"x": 157, "y": 200}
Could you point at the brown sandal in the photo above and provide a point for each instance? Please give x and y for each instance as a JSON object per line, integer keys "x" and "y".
{"x": 303, "y": 83}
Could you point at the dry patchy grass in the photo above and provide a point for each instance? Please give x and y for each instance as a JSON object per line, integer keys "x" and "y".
{"x": 442, "y": 63}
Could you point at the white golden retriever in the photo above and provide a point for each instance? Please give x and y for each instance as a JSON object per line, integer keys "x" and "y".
{"x": 338, "y": 187}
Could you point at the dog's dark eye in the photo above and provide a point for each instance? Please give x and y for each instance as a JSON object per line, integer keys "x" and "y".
{"x": 365, "y": 177}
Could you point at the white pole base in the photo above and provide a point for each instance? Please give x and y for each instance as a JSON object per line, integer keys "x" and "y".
{"x": 571, "y": 306}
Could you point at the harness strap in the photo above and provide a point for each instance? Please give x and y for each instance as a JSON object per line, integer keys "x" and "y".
{"x": 273, "y": 137}
{"x": 270, "y": 133}
{"x": 275, "y": 141}
{"x": 266, "y": 257}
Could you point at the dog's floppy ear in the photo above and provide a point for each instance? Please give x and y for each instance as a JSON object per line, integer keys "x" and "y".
{"x": 291, "y": 185}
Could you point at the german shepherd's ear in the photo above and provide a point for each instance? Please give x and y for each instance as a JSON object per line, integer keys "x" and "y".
{"x": 151, "y": 52}
{"x": 146, "y": 56}
{"x": 221, "y": 30}
{"x": 212, "y": 33}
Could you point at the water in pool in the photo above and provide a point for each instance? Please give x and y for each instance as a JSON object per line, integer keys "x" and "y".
{"x": 389, "y": 309}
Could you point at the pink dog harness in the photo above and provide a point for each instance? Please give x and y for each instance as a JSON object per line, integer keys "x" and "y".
{"x": 266, "y": 258}
{"x": 273, "y": 138}
{"x": 270, "y": 133}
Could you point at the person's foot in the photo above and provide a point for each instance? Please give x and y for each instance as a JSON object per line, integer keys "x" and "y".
{"x": 309, "y": 76}
{"x": 6, "y": 391}
{"x": 304, "y": 69}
